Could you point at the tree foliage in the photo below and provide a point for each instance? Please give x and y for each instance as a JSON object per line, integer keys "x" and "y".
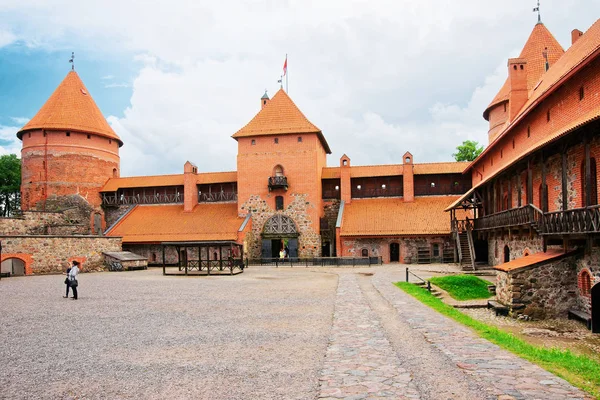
{"x": 10, "y": 184}
{"x": 467, "y": 151}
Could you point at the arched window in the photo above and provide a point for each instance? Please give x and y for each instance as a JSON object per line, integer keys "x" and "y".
{"x": 585, "y": 282}
{"x": 115, "y": 173}
{"x": 278, "y": 171}
{"x": 593, "y": 186}
{"x": 506, "y": 254}
{"x": 436, "y": 250}
{"x": 364, "y": 252}
{"x": 278, "y": 203}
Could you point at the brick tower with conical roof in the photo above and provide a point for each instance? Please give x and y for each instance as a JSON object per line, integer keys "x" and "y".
{"x": 68, "y": 148}
{"x": 540, "y": 52}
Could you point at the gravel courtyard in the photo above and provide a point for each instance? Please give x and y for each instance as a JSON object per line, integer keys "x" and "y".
{"x": 286, "y": 333}
{"x": 258, "y": 335}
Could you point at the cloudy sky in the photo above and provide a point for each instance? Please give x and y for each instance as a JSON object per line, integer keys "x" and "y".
{"x": 177, "y": 78}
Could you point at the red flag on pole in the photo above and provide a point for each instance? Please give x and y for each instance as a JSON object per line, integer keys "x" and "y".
{"x": 285, "y": 66}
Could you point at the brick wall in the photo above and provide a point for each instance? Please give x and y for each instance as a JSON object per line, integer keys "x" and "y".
{"x": 51, "y": 254}
{"x": 590, "y": 263}
{"x": 565, "y": 107}
{"x": 57, "y": 164}
{"x": 43, "y": 223}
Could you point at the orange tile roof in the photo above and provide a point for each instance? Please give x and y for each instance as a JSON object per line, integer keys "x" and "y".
{"x": 539, "y": 40}
{"x": 586, "y": 49}
{"x": 397, "y": 169}
{"x": 280, "y": 116}
{"x": 114, "y": 184}
{"x": 168, "y": 223}
{"x": 71, "y": 107}
{"x": 530, "y": 260}
{"x": 394, "y": 217}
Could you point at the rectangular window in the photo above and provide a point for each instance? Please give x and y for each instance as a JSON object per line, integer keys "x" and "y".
{"x": 276, "y": 140}
{"x": 436, "y": 250}
{"x": 528, "y": 131}
{"x": 299, "y": 139}
{"x": 253, "y": 142}
{"x": 89, "y": 136}
{"x": 581, "y": 93}
{"x": 279, "y": 203}
{"x": 68, "y": 133}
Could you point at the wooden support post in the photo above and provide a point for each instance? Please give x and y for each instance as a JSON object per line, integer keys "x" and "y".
{"x": 494, "y": 201}
{"x": 565, "y": 194}
{"x": 164, "y": 260}
{"x": 186, "y": 260}
{"x": 220, "y": 258}
{"x": 519, "y": 195}
{"x": 509, "y": 194}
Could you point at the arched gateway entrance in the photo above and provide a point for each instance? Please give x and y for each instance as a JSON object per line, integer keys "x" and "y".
{"x": 279, "y": 233}
{"x": 12, "y": 267}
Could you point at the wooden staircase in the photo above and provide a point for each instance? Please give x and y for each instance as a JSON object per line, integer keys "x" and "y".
{"x": 466, "y": 251}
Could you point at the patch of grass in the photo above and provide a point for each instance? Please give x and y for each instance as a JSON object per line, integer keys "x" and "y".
{"x": 463, "y": 287}
{"x": 579, "y": 370}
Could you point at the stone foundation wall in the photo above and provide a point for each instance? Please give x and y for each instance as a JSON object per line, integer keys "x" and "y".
{"x": 538, "y": 292}
{"x": 380, "y": 247}
{"x": 309, "y": 239}
{"x": 154, "y": 253}
{"x": 51, "y": 254}
{"x": 517, "y": 246}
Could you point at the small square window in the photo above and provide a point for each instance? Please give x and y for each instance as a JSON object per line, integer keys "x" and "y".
{"x": 548, "y": 116}
{"x": 89, "y": 136}
{"x": 44, "y": 133}
{"x": 276, "y": 140}
{"x": 29, "y": 134}
{"x": 253, "y": 142}
{"x": 529, "y": 131}
{"x": 501, "y": 153}
{"x": 68, "y": 133}
{"x": 109, "y": 141}
{"x": 299, "y": 139}
{"x": 581, "y": 93}
{"x": 513, "y": 143}
{"x": 279, "y": 203}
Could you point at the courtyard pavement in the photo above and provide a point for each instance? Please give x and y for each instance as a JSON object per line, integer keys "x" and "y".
{"x": 269, "y": 333}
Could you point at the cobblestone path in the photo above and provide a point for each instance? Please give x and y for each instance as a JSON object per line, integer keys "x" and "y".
{"x": 500, "y": 373}
{"x": 360, "y": 362}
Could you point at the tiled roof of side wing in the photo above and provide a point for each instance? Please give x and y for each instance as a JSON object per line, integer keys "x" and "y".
{"x": 168, "y": 223}
{"x": 115, "y": 184}
{"x": 71, "y": 107}
{"x": 393, "y": 216}
{"x": 280, "y": 116}
{"x": 540, "y": 40}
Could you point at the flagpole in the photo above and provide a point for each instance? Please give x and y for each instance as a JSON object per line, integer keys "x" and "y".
{"x": 287, "y": 89}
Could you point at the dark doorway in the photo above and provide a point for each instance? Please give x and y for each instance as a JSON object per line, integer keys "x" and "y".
{"x": 595, "y": 292}
{"x": 275, "y": 247}
{"x": 394, "y": 252}
{"x": 326, "y": 249}
{"x": 506, "y": 254}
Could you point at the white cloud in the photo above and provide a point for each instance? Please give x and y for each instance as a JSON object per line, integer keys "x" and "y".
{"x": 116, "y": 85}
{"x": 20, "y": 120}
{"x": 107, "y": 77}
{"x": 9, "y": 144}
{"x": 379, "y": 78}
{"x": 6, "y": 37}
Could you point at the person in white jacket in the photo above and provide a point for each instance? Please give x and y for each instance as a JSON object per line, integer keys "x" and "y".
{"x": 73, "y": 278}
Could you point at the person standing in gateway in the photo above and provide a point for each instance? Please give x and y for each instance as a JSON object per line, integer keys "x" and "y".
{"x": 73, "y": 278}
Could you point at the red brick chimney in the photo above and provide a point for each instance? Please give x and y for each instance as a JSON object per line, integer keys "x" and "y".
{"x": 575, "y": 35}
{"x": 190, "y": 189}
{"x": 345, "y": 183}
{"x": 517, "y": 95}
{"x": 407, "y": 177}
{"x": 264, "y": 100}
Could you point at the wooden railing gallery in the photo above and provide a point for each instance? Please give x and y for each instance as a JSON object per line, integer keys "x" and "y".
{"x": 569, "y": 222}
{"x": 522, "y": 216}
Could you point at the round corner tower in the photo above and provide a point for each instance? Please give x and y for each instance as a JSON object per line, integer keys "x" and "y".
{"x": 68, "y": 148}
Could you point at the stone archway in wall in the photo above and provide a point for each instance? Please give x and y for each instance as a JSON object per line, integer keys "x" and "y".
{"x": 279, "y": 233}
{"x": 15, "y": 264}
